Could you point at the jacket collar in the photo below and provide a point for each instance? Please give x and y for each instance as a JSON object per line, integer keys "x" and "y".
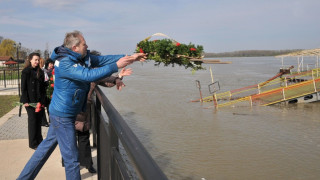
{"x": 61, "y": 52}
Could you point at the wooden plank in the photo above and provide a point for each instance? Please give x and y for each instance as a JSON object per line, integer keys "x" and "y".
{"x": 211, "y": 61}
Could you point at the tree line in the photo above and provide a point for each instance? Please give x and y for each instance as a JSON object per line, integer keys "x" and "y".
{"x": 250, "y": 53}
{"x": 7, "y": 48}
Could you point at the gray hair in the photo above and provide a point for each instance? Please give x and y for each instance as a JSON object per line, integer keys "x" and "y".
{"x": 72, "y": 39}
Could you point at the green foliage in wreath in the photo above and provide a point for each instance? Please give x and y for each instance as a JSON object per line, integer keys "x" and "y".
{"x": 170, "y": 52}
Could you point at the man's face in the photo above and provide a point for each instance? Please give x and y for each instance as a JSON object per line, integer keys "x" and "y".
{"x": 82, "y": 47}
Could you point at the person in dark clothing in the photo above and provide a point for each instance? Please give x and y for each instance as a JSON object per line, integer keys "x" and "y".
{"x": 44, "y": 121}
{"x": 49, "y": 66}
{"x": 33, "y": 92}
{"x": 83, "y": 119}
{"x": 48, "y": 74}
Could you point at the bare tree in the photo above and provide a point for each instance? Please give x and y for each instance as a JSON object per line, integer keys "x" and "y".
{"x": 46, "y": 53}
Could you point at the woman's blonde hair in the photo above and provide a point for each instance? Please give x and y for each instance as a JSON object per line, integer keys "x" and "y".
{"x": 41, "y": 62}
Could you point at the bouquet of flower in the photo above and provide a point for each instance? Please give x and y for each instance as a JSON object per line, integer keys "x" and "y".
{"x": 168, "y": 51}
{"x": 38, "y": 106}
{"x": 50, "y": 86}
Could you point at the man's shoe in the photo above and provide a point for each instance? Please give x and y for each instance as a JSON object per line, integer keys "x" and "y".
{"x": 92, "y": 170}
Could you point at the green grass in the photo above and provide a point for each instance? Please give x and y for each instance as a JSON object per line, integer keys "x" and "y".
{"x": 10, "y": 73}
{"x": 6, "y": 103}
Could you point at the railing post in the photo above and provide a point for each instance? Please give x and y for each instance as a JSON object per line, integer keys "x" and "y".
{"x": 314, "y": 84}
{"x": 215, "y": 101}
{"x": 199, "y": 86}
{"x": 97, "y": 118}
{"x": 4, "y": 78}
{"x": 114, "y": 145}
{"x": 285, "y": 81}
{"x": 19, "y": 91}
{"x": 93, "y": 118}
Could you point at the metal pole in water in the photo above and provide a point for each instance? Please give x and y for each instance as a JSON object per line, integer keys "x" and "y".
{"x": 199, "y": 86}
{"x": 211, "y": 75}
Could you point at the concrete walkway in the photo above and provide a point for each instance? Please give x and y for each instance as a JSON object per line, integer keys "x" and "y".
{"x": 15, "y": 151}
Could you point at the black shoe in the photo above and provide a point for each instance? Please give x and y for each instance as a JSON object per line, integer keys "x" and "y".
{"x": 92, "y": 170}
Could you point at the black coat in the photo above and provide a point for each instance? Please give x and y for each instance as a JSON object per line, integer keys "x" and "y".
{"x": 33, "y": 89}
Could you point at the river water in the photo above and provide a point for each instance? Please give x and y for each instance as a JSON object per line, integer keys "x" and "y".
{"x": 189, "y": 141}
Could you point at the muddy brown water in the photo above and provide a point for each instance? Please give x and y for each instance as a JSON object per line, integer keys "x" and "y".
{"x": 189, "y": 141}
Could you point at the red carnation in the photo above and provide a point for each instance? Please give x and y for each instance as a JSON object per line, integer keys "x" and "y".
{"x": 52, "y": 85}
{"x": 51, "y": 79}
{"x": 177, "y": 44}
{"x": 141, "y": 51}
{"x": 38, "y": 107}
{"x": 193, "y": 49}
{"x": 53, "y": 72}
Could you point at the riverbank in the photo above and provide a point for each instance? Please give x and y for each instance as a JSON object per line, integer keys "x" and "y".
{"x": 250, "y": 53}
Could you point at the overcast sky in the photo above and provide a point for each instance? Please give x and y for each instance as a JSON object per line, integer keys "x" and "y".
{"x": 116, "y": 26}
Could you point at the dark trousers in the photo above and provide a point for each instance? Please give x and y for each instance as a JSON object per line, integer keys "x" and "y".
{"x": 84, "y": 149}
{"x": 34, "y": 127}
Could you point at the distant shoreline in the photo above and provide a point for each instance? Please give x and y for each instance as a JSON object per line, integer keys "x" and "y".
{"x": 250, "y": 53}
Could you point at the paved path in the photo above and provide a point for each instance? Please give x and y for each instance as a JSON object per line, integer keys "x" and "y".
{"x": 15, "y": 151}
{"x": 9, "y": 90}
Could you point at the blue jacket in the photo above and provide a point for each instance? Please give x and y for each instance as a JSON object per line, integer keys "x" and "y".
{"x": 73, "y": 75}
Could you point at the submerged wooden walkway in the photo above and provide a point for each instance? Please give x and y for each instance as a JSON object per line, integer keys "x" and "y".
{"x": 293, "y": 88}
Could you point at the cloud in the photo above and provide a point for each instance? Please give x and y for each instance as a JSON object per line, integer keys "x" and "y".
{"x": 116, "y": 25}
{"x": 19, "y": 22}
{"x": 58, "y": 4}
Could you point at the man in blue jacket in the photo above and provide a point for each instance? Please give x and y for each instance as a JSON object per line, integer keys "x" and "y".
{"x": 74, "y": 70}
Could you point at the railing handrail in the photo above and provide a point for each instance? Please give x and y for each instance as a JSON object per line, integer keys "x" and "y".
{"x": 141, "y": 159}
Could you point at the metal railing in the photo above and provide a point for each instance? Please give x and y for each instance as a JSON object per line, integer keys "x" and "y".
{"x": 9, "y": 77}
{"x": 107, "y": 134}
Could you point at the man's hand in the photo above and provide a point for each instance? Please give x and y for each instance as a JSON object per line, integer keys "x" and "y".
{"x": 139, "y": 56}
{"x": 125, "y": 72}
{"x": 119, "y": 84}
{"x": 124, "y": 61}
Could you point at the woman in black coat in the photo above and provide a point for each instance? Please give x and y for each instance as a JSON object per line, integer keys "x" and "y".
{"x": 33, "y": 90}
